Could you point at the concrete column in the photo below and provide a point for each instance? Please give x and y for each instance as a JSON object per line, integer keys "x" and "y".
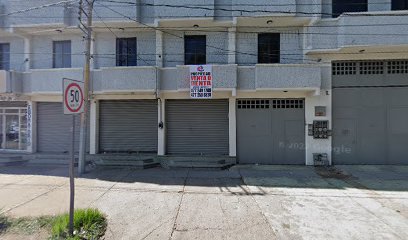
{"x": 232, "y": 116}
{"x": 27, "y": 51}
{"x": 32, "y": 127}
{"x": 318, "y": 145}
{"x": 232, "y": 41}
{"x": 161, "y": 144}
{"x": 94, "y": 127}
{"x": 159, "y": 48}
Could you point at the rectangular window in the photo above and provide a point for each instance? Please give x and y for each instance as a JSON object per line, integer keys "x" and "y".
{"x": 195, "y": 50}
{"x": 126, "y": 52}
{"x": 269, "y": 48}
{"x": 4, "y": 56}
{"x": 399, "y": 5}
{"x": 342, "y": 6}
{"x": 61, "y": 54}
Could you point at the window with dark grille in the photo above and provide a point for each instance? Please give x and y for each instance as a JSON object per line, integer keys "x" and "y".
{"x": 344, "y": 68}
{"x": 399, "y": 5}
{"x": 4, "y": 56}
{"x": 269, "y": 48}
{"x": 397, "y": 67}
{"x": 342, "y": 6}
{"x": 126, "y": 52}
{"x": 287, "y": 103}
{"x": 61, "y": 54}
{"x": 195, "y": 50}
{"x": 253, "y": 104}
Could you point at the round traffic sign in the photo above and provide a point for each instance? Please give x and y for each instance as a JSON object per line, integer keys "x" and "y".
{"x": 74, "y": 97}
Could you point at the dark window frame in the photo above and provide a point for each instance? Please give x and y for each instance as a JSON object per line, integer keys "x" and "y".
{"x": 269, "y": 48}
{"x": 5, "y": 56}
{"x": 126, "y": 54}
{"x": 195, "y": 49}
{"x": 399, "y": 5}
{"x": 341, "y": 6}
{"x": 64, "y": 58}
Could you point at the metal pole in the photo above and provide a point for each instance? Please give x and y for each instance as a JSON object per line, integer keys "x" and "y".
{"x": 87, "y": 70}
{"x": 71, "y": 179}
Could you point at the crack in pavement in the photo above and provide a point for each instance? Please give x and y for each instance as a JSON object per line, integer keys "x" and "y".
{"x": 36, "y": 197}
{"x": 257, "y": 204}
{"x": 179, "y": 206}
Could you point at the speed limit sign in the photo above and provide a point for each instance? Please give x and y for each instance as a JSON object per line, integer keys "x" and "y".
{"x": 73, "y": 96}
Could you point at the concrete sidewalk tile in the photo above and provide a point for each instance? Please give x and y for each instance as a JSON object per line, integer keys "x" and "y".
{"x": 136, "y": 215}
{"x": 57, "y": 202}
{"x": 220, "y": 217}
{"x": 13, "y": 196}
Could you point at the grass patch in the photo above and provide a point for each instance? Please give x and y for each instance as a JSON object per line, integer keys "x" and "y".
{"x": 4, "y": 223}
{"x": 88, "y": 224}
{"x": 25, "y": 225}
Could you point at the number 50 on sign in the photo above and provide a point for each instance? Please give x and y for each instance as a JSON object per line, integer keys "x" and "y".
{"x": 73, "y": 99}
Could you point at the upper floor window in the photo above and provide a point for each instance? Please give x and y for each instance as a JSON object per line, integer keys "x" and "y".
{"x": 4, "y": 56}
{"x": 195, "y": 50}
{"x": 269, "y": 48}
{"x": 126, "y": 52}
{"x": 61, "y": 54}
{"x": 342, "y": 6}
{"x": 399, "y": 5}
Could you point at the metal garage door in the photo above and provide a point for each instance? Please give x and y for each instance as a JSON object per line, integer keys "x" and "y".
{"x": 128, "y": 126}
{"x": 271, "y": 131}
{"x": 370, "y": 112}
{"x": 197, "y": 127}
{"x": 53, "y": 128}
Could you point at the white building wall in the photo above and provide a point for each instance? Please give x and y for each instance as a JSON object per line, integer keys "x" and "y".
{"x": 247, "y": 45}
{"x": 16, "y": 52}
{"x": 173, "y": 47}
{"x": 105, "y": 48}
{"x": 42, "y": 50}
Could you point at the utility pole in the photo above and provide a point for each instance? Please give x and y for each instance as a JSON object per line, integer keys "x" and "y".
{"x": 87, "y": 29}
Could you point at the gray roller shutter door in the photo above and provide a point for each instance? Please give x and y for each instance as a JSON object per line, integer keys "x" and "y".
{"x": 128, "y": 126}
{"x": 197, "y": 127}
{"x": 370, "y": 113}
{"x": 271, "y": 131}
{"x": 53, "y": 129}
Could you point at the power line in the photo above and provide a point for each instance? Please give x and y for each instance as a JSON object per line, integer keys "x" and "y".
{"x": 37, "y": 7}
{"x": 137, "y": 55}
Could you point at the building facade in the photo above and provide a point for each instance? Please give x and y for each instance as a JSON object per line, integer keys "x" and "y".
{"x": 294, "y": 81}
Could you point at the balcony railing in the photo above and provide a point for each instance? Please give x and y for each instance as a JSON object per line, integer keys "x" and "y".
{"x": 49, "y": 80}
{"x": 11, "y": 82}
{"x": 280, "y": 76}
{"x": 124, "y": 79}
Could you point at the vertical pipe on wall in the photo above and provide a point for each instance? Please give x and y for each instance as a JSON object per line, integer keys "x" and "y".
{"x": 94, "y": 127}
{"x": 232, "y": 117}
{"x": 161, "y": 145}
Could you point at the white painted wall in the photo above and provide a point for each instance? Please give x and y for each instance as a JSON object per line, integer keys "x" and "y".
{"x": 105, "y": 48}
{"x": 318, "y": 145}
{"x": 41, "y": 57}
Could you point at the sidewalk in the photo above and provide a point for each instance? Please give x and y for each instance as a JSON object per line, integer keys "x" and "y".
{"x": 276, "y": 202}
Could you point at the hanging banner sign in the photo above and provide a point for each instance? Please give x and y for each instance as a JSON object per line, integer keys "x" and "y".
{"x": 201, "y": 81}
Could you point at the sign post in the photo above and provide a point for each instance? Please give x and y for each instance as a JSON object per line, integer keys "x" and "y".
{"x": 73, "y": 103}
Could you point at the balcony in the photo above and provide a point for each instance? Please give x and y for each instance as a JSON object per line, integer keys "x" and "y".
{"x": 280, "y": 77}
{"x": 11, "y": 82}
{"x": 358, "y": 30}
{"x": 49, "y": 81}
{"x": 124, "y": 79}
{"x": 178, "y": 78}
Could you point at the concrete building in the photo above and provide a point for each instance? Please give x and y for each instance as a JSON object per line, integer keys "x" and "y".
{"x": 293, "y": 81}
